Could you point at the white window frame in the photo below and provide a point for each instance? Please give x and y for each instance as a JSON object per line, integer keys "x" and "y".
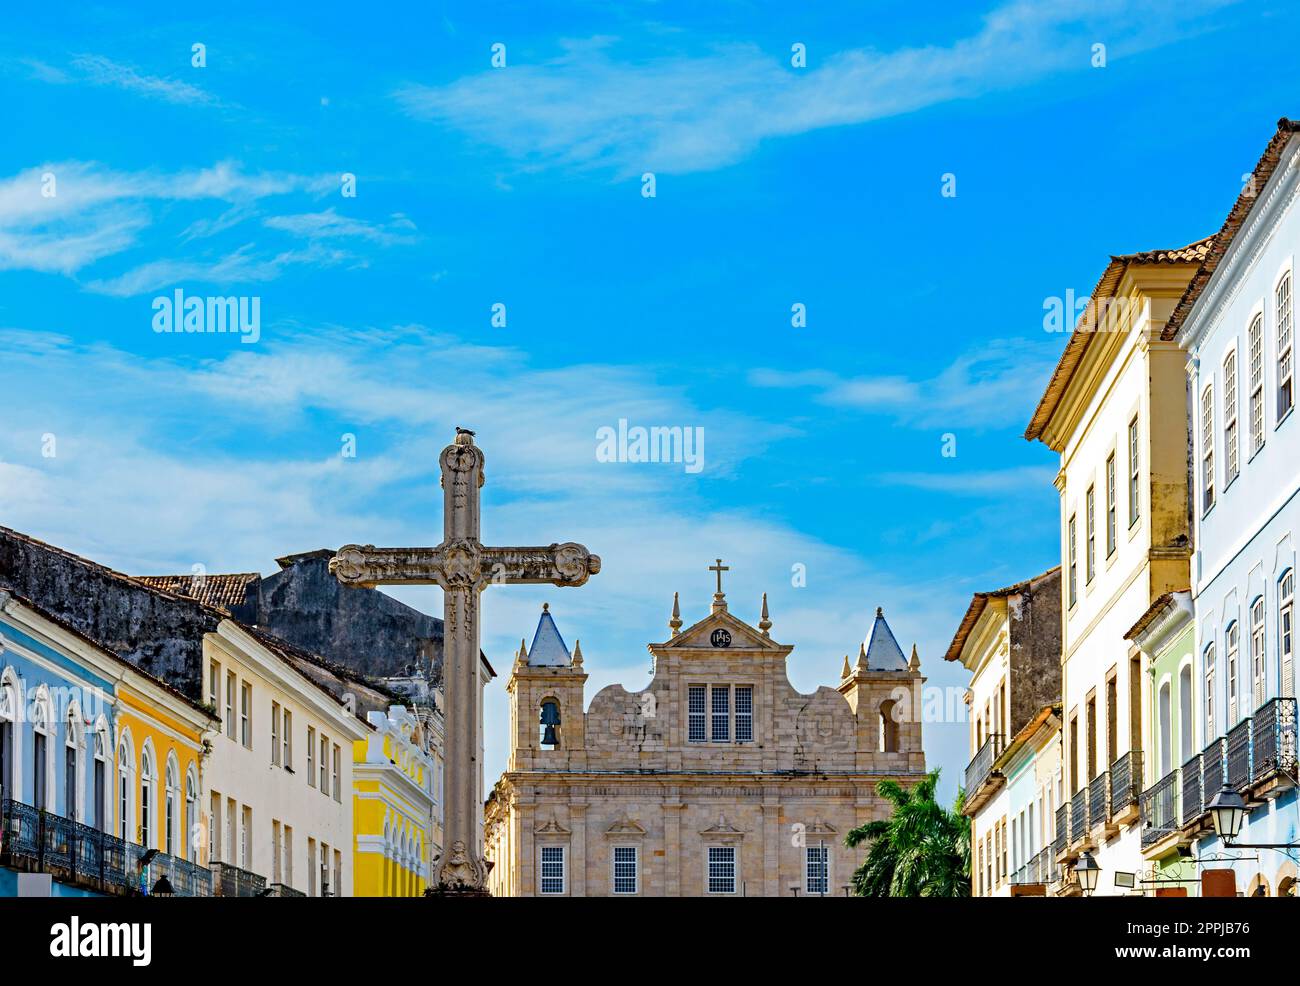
{"x": 1072, "y": 535}
{"x": 1209, "y": 692}
{"x": 1112, "y": 509}
{"x": 1258, "y": 655}
{"x": 1134, "y": 473}
{"x": 543, "y": 862}
{"x": 1090, "y": 512}
{"x": 719, "y": 718}
{"x": 1207, "y": 448}
{"x": 1233, "y": 646}
{"x": 275, "y": 734}
{"x": 635, "y": 862}
{"x": 1255, "y": 351}
{"x": 1286, "y": 632}
{"x": 698, "y": 717}
{"x": 743, "y": 718}
{"x": 1231, "y": 451}
{"x": 1283, "y": 307}
{"x": 733, "y": 863}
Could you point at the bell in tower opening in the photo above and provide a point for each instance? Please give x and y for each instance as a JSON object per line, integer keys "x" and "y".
{"x": 550, "y": 721}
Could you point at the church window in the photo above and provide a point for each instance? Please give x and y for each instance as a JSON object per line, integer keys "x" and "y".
{"x": 888, "y": 727}
{"x": 721, "y": 732}
{"x": 722, "y": 869}
{"x": 548, "y": 720}
{"x": 744, "y": 713}
{"x": 817, "y": 870}
{"x": 625, "y": 869}
{"x": 552, "y": 869}
{"x": 695, "y": 713}
{"x": 1285, "y": 386}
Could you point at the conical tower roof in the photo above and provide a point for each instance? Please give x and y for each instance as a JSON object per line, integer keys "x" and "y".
{"x": 883, "y": 652}
{"x": 548, "y": 649}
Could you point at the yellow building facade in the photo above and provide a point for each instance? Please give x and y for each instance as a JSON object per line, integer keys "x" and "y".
{"x": 393, "y": 776}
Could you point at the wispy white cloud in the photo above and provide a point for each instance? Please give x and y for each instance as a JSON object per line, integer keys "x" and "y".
{"x": 988, "y": 482}
{"x": 993, "y": 385}
{"x": 97, "y": 70}
{"x": 329, "y": 225}
{"x": 690, "y": 112}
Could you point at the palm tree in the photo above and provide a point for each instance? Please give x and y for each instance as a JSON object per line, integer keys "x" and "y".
{"x": 923, "y": 850}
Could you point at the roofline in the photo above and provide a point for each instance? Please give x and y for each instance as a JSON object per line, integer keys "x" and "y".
{"x": 1040, "y": 719}
{"x": 1162, "y": 602}
{"x": 1250, "y": 194}
{"x": 1087, "y": 326}
{"x": 975, "y": 610}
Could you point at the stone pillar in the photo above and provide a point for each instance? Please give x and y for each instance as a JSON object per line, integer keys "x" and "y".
{"x": 673, "y": 848}
{"x": 771, "y": 846}
{"x": 578, "y": 850}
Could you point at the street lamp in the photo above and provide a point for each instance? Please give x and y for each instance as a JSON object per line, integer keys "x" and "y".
{"x": 163, "y": 888}
{"x": 1087, "y": 870}
{"x": 1228, "y": 812}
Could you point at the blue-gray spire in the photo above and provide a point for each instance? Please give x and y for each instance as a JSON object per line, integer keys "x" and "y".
{"x": 548, "y": 650}
{"x": 882, "y": 650}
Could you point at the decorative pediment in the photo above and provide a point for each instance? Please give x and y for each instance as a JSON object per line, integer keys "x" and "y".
{"x": 820, "y": 828}
{"x": 721, "y": 631}
{"x": 552, "y": 827}
{"x": 722, "y": 831}
{"x": 625, "y": 828}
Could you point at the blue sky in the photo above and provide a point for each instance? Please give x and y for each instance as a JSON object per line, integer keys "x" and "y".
{"x": 522, "y": 186}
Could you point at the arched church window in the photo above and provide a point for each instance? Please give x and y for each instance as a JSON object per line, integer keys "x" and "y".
{"x": 888, "y": 728}
{"x": 549, "y": 720}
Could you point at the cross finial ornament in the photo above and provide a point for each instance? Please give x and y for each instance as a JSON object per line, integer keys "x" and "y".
{"x": 463, "y": 567}
{"x": 719, "y": 600}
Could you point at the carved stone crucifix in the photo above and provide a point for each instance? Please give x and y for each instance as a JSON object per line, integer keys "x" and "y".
{"x": 463, "y": 567}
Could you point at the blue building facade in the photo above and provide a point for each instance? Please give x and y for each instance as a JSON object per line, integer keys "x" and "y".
{"x": 1237, "y": 325}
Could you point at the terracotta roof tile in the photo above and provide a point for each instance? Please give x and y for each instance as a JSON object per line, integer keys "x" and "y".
{"x": 220, "y": 591}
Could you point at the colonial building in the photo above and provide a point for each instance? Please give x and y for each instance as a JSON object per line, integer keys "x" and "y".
{"x": 1237, "y": 324}
{"x": 276, "y": 730}
{"x": 100, "y": 763}
{"x": 719, "y": 779}
{"x": 393, "y": 806}
{"x": 1010, "y": 641}
{"x": 1115, "y": 412}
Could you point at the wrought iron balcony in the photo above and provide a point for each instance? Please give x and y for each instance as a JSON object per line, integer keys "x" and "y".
{"x": 1239, "y": 769}
{"x": 1099, "y": 800}
{"x": 1273, "y": 740}
{"x": 1062, "y": 830}
{"x": 980, "y": 770}
{"x": 1160, "y": 809}
{"x": 85, "y": 856}
{"x": 1125, "y": 783}
{"x": 1214, "y": 768}
{"x": 231, "y": 881}
{"x": 1193, "y": 794}
{"x": 1079, "y": 816}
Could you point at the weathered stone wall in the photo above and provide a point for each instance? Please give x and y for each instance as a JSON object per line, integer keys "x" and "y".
{"x": 1034, "y": 622}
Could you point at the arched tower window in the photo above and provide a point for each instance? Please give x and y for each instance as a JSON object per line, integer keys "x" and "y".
{"x": 549, "y": 720}
{"x": 888, "y": 727}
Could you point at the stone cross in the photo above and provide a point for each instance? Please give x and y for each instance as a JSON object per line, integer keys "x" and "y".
{"x": 463, "y": 567}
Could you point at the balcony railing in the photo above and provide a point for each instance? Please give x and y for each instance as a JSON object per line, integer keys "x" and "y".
{"x": 88, "y": 857}
{"x": 1273, "y": 740}
{"x": 1160, "y": 809}
{"x": 284, "y": 890}
{"x": 981, "y": 766}
{"x": 1125, "y": 782}
{"x": 1214, "y": 768}
{"x": 1239, "y": 772}
{"x": 1098, "y": 799}
{"x": 231, "y": 881}
{"x": 1079, "y": 816}
{"x": 1062, "y": 829}
{"x": 1193, "y": 794}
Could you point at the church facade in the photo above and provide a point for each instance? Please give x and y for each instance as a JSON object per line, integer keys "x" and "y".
{"x": 719, "y": 779}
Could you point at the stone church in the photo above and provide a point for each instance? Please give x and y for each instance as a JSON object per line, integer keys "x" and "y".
{"x": 719, "y": 779}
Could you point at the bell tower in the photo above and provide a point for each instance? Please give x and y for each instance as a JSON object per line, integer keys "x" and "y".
{"x": 547, "y": 702}
{"x": 884, "y": 690}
